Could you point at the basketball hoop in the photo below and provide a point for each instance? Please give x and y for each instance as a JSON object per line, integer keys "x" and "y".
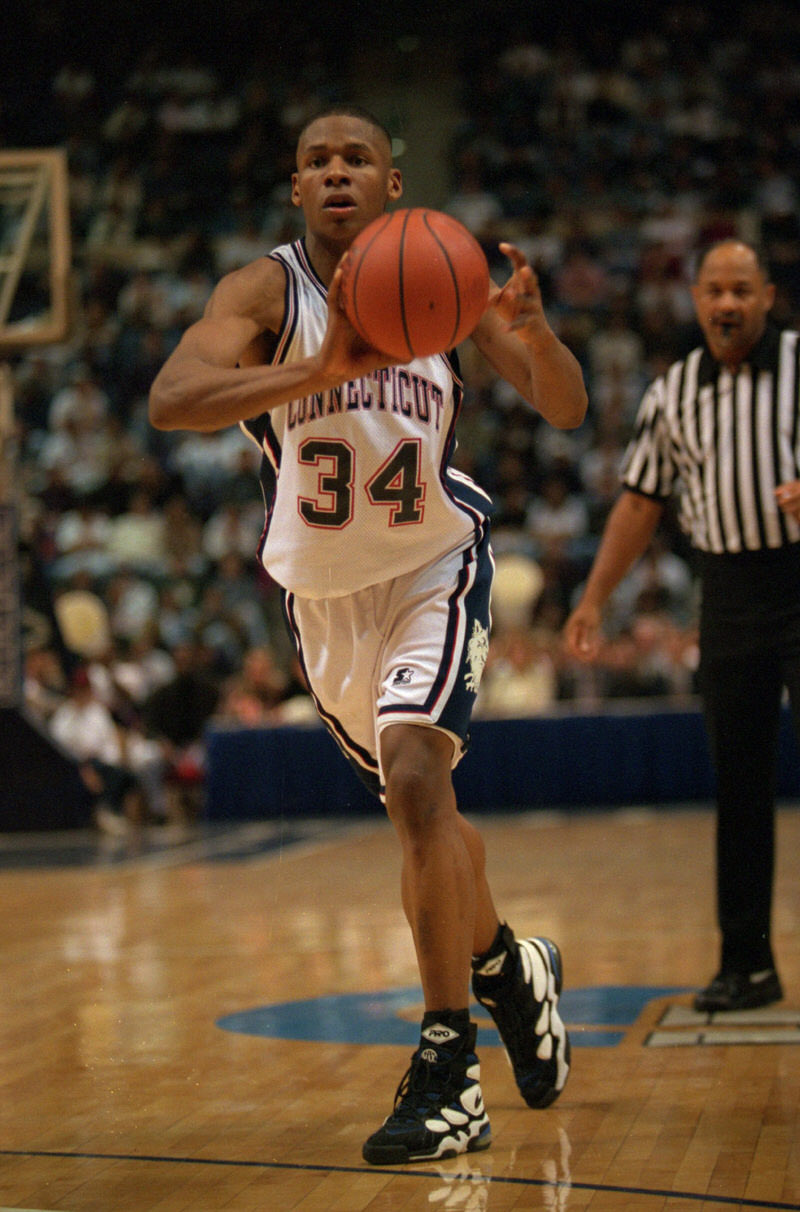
{"x": 35, "y": 254}
{"x": 35, "y": 262}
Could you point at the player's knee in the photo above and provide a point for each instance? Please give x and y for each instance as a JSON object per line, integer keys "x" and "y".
{"x": 417, "y": 774}
{"x": 411, "y": 799}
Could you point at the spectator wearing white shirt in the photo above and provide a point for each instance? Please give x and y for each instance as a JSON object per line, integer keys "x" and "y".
{"x": 81, "y": 400}
{"x": 137, "y": 537}
{"x": 86, "y": 729}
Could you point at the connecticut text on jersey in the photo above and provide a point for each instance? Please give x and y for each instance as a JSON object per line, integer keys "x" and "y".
{"x": 395, "y": 389}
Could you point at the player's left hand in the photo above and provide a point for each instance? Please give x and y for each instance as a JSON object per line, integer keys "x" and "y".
{"x": 519, "y": 302}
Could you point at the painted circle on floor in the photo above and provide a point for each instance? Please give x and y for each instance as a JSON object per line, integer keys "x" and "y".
{"x": 595, "y": 1017}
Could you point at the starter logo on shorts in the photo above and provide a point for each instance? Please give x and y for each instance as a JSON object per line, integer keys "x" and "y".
{"x": 477, "y": 652}
{"x": 403, "y": 677}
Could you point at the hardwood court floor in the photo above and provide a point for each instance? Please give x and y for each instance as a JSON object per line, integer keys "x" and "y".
{"x": 140, "y": 1071}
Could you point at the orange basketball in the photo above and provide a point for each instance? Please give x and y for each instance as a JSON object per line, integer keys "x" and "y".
{"x": 415, "y": 283}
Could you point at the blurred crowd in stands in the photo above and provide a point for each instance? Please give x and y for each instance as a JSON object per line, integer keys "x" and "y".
{"x": 609, "y": 160}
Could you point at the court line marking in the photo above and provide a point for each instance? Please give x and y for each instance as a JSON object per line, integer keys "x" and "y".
{"x": 681, "y": 1026}
{"x": 773, "y": 1016}
{"x": 723, "y": 1036}
{"x": 490, "y": 1179}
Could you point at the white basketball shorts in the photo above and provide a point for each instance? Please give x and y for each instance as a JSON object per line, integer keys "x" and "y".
{"x": 409, "y": 650}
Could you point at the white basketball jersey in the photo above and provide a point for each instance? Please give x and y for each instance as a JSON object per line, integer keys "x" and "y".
{"x": 356, "y": 481}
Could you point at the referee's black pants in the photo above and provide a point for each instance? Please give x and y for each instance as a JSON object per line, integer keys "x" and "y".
{"x": 749, "y": 652}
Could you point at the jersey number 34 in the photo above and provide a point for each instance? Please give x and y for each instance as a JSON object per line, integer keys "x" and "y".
{"x": 395, "y": 485}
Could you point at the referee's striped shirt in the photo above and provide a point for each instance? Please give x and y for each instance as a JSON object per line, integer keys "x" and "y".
{"x": 723, "y": 442}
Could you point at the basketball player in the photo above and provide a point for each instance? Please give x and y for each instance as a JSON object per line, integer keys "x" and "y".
{"x": 383, "y": 555}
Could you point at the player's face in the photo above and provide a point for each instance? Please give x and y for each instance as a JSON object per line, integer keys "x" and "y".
{"x": 732, "y": 298}
{"x": 344, "y": 176}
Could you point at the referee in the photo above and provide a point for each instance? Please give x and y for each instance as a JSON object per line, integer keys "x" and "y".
{"x": 721, "y": 430}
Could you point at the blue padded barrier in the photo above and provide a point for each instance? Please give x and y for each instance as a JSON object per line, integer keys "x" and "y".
{"x": 617, "y": 757}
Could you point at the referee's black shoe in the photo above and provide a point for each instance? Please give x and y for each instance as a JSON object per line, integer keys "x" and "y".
{"x": 739, "y": 991}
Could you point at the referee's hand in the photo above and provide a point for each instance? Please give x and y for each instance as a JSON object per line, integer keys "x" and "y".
{"x": 582, "y": 634}
{"x": 788, "y": 498}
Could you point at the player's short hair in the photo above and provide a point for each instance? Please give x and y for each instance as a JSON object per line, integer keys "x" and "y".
{"x": 349, "y": 111}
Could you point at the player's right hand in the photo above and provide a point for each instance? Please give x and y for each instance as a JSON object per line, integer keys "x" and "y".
{"x": 345, "y": 355}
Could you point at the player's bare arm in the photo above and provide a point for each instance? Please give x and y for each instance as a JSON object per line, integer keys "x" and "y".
{"x": 515, "y": 337}
{"x": 217, "y": 374}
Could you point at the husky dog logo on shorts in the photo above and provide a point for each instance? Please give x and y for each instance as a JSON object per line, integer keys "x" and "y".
{"x": 477, "y": 652}
{"x": 403, "y": 677}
